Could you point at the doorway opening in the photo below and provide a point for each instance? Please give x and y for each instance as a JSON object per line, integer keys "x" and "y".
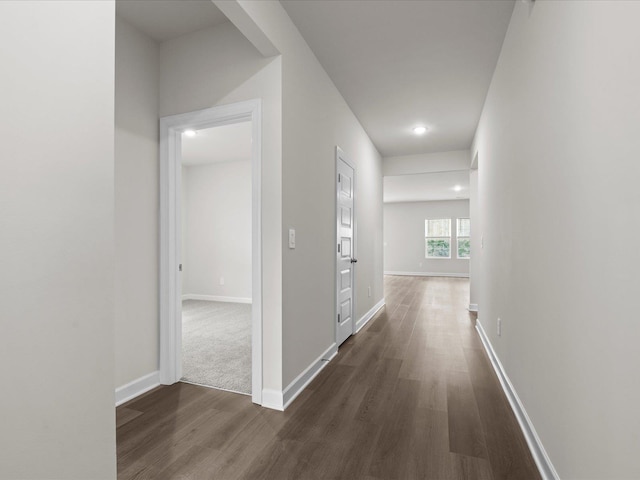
{"x": 211, "y": 249}
{"x": 216, "y": 257}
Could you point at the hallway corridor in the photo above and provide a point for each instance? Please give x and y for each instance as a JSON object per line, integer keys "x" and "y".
{"x": 411, "y": 396}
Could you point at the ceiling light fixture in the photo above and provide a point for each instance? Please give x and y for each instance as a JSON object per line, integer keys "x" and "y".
{"x": 420, "y": 130}
{"x": 457, "y": 188}
{"x": 190, "y": 133}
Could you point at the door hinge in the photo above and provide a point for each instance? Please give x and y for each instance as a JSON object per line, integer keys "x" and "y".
{"x": 338, "y": 318}
{"x": 339, "y": 178}
{"x": 180, "y": 267}
{"x": 338, "y": 248}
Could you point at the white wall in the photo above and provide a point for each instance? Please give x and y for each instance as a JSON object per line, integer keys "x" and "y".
{"x": 218, "y": 230}
{"x": 316, "y": 119}
{"x": 558, "y": 173}
{"x": 136, "y": 204}
{"x": 56, "y": 206}
{"x": 404, "y": 243}
{"x": 217, "y": 66}
{"x": 426, "y": 163}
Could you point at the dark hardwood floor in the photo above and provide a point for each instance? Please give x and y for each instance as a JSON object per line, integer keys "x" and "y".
{"x": 412, "y": 396}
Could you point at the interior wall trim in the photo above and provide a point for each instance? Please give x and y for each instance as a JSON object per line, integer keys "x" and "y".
{"x": 137, "y": 387}
{"x": 427, "y": 274}
{"x": 296, "y": 387}
{"x": 369, "y": 315}
{"x": 272, "y": 399}
{"x": 170, "y": 284}
{"x": 216, "y": 298}
{"x": 281, "y": 400}
{"x": 543, "y": 462}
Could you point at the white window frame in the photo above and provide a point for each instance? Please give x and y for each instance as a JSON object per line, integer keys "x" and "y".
{"x": 427, "y": 238}
{"x": 458, "y": 237}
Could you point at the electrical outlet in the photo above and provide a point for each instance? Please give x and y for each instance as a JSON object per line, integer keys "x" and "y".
{"x": 369, "y": 291}
{"x": 221, "y": 280}
{"x": 499, "y": 327}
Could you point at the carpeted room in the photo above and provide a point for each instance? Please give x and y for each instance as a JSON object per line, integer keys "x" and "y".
{"x": 216, "y": 257}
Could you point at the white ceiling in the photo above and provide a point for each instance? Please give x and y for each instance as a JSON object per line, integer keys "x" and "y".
{"x": 227, "y": 143}
{"x": 166, "y": 19}
{"x": 400, "y": 63}
{"x": 397, "y": 63}
{"x": 426, "y": 187}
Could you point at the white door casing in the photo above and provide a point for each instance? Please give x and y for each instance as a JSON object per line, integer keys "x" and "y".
{"x": 345, "y": 247}
{"x": 171, "y": 129}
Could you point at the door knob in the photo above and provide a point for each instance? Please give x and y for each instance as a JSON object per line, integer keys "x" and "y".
{"x": 354, "y": 260}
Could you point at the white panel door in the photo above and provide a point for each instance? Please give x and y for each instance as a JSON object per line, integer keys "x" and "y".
{"x": 345, "y": 255}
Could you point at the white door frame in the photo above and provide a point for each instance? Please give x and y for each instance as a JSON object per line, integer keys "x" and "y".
{"x": 171, "y": 129}
{"x": 340, "y": 156}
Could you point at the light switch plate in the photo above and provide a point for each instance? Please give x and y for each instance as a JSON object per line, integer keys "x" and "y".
{"x": 292, "y": 238}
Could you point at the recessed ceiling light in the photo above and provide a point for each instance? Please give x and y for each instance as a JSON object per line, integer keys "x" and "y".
{"x": 419, "y": 130}
{"x": 457, "y": 188}
{"x": 190, "y": 133}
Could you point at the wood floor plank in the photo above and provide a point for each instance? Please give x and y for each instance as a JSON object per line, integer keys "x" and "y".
{"x": 313, "y": 413}
{"x": 392, "y": 450}
{"x": 181, "y": 467}
{"x": 233, "y": 458}
{"x": 124, "y": 415}
{"x": 141, "y": 435}
{"x": 463, "y": 466}
{"x": 375, "y": 404}
{"x": 433, "y": 390}
{"x": 138, "y": 471}
{"x": 341, "y": 412}
{"x": 380, "y": 372}
{"x": 163, "y": 452}
{"x": 412, "y": 396}
{"x": 466, "y": 435}
{"x": 359, "y": 350}
{"x": 506, "y": 447}
{"x": 431, "y": 434}
{"x": 359, "y": 453}
{"x": 278, "y": 460}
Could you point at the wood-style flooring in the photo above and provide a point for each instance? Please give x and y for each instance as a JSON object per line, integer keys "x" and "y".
{"x": 412, "y": 396}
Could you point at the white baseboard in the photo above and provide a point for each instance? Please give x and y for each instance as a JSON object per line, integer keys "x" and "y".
{"x": 427, "y": 274}
{"x": 369, "y": 315}
{"x": 473, "y": 307}
{"x": 543, "y": 462}
{"x": 272, "y": 399}
{"x": 296, "y": 387}
{"x": 281, "y": 400}
{"x": 137, "y": 387}
{"x": 216, "y": 298}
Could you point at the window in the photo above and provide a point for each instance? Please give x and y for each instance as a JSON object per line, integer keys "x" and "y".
{"x": 464, "y": 242}
{"x": 437, "y": 235}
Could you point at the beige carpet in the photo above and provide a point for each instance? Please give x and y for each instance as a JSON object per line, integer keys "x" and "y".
{"x": 216, "y": 344}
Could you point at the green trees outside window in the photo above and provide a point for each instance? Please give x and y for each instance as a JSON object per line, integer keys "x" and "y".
{"x": 463, "y": 232}
{"x": 437, "y": 233}
{"x": 438, "y": 248}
